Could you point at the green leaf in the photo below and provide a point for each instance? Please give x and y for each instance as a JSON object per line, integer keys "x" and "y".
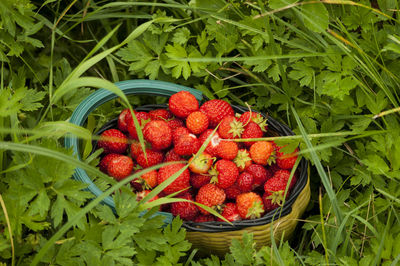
{"x": 202, "y": 41}
{"x": 244, "y": 253}
{"x": 181, "y": 36}
{"x": 178, "y": 67}
{"x": 302, "y": 72}
{"x": 316, "y": 16}
{"x": 275, "y": 4}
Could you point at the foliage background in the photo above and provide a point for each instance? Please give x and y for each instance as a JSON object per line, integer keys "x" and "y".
{"x": 328, "y": 68}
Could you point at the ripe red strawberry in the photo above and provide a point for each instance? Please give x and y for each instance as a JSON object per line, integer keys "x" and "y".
{"x": 136, "y": 149}
{"x": 230, "y": 128}
{"x": 252, "y": 130}
{"x": 120, "y": 167}
{"x": 262, "y": 152}
{"x": 186, "y": 210}
{"x": 182, "y": 103}
{"x": 245, "y": 182}
{"x": 273, "y": 168}
{"x": 285, "y": 175}
{"x": 160, "y": 114}
{"x": 232, "y": 192}
{"x": 144, "y": 193}
{"x": 113, "y": 141}
{"x": 145, "y": 181}
{"x": 106, "y": 160}
{"x": 171, "y": 156}
{"x": 242, "y": 159}
{"x": 227, "y": 149}
{"x": 210, "y": 195}
{"x": 178, "y": 132}
{"x": 274, "y": 191}
{"x": 286, "y": 161}
{"x": 152, "y": 158}
{"x": 180, "y": 183}
{"x": 248, "y": 117}
{"x": 212, "y": 145}
{"x": 216, "y": 110}
{"x": 202, "y": 218}
{"x": 158, "y": 134}
{"x": 197, "y": 122}
{"x": 142, "y": 117}
{"x": 224, "y": 173}
{"x": 123, "y": 119}
{"x": 187, "y": 145}
{"x": 250, "y": 205}
{"x": 201, "y": 164}
{"x": 230, "y": 212}
{"x": 260, "y": 174}
{"x": 175, "y": 123}
{"x": 199, "y": 180}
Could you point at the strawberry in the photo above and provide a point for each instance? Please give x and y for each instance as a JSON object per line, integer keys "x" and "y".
{"x": 230, "y": 212}
{"x": 142, "y": 117}
{"x": 201, "y": 164}
{"x": 186, "y": 210}
{"x": 262, "y": 152}
{"x": 227, "y": 149}
{"x": 113, "y": 141}
{"x": 171, "y": 156}
{"x": 180, "y": 183}
{"x": 210, "y": 195}
{"x": 260, "y": 174}
{"x": 250, "y": 205}
{"x": 216, "y": 110}
{"x": 158, "y": 134}
{"x": 252, "y": 130}
{"x": 175, "y": 123}
{"x": 285, "y": 175}
{"x": 230, "y": 128}
{"x": 202, "y": 218}
{"x": 182, "y": 103}
{"x": 245, "y": 182}
{"x": 224, "y": 173}
{"x": 273, "y": 168}
{"x": 232, "y": 192}
{"x": 274, "y": 191}
{"x": 144, "y": 193}
{"x": 160, "y": 114}
{"x": 178, "y": 132}
{"x": 136, "y": 149}
{"x": 151, "y": 158}
{"x": 199, "y": 180}
{"x": 212, "y": 145}
{"x": 120, "y": 167}
{"x": 145, "y": 181}
{"x": 187, "y": 145}
{"x": 123, "y": 119}
{"x": 255, "y": 117}
{"x": 242, "y": 159}
{"x": 106, "y": 160}
{"x": 286, "y": 161}
{"x": 197, "y": 122}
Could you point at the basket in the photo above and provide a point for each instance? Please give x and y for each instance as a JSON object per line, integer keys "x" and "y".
{"x": 208, "y": 237}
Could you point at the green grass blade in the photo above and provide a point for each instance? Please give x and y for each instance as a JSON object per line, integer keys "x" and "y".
{"x": 320, "y": 169}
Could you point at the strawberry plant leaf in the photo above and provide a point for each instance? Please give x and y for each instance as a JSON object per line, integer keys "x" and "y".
{"x": 181, "y": 36}
{"x": 178, "y": 67}
{"x": 316, "y": 16}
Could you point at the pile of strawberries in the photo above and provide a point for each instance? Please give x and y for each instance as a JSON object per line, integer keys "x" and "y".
{"x": 239, "y": 179}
